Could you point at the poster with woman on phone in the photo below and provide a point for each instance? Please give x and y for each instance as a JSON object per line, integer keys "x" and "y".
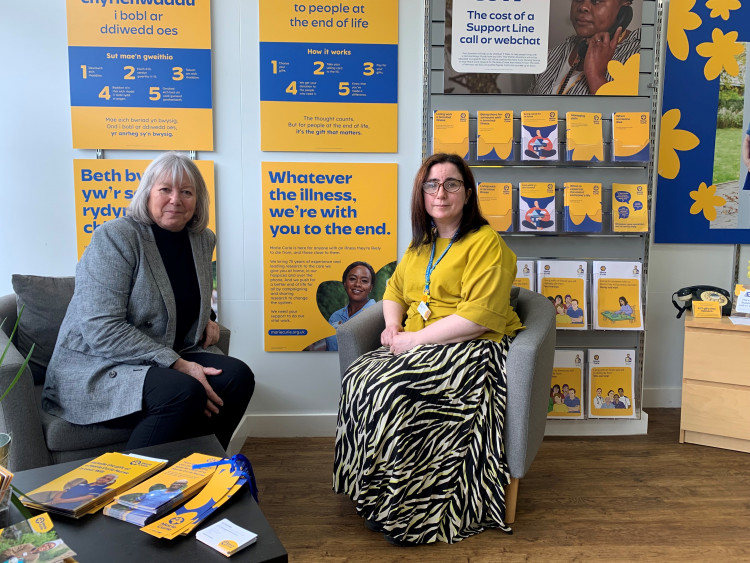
{"x": 566, "y": 47}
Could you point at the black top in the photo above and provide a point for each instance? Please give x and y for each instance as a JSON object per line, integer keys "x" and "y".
{"x": 177, "y": 255}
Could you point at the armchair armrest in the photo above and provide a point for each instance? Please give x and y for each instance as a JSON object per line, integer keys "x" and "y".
{"x": 359, "y": 335}
{"x": 224, "y": 336}
{"x": 8, "y": 311}
{"x": 19, "y": 413}
{"x": 529, "y": 374}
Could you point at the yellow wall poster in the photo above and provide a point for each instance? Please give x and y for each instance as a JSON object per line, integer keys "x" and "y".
{"x": 104, "y": 188}
{"x": 617, "y": 295}
{"x": 566, "y": 398}
{"x": 329, "y": 75}
{"x": 611, "y": 383}
{"x": 565, "y": 284}
{"x": 140, "y": 74}
{"x": 329, "y": 239}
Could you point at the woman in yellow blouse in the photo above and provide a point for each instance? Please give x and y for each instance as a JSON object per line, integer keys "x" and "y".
{"x": 419, "y": 439}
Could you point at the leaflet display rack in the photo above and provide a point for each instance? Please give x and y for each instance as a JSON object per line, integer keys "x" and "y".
{"x": 604, "y": 245}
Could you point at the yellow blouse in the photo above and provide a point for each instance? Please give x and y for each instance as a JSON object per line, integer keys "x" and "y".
{"x": 473, "y": 280}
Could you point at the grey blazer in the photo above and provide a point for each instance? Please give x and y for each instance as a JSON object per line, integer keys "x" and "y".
{"x": 120, "y": 322}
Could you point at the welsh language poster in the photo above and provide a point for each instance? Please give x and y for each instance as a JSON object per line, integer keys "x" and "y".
{"x": 104, "y": 188}
{"x": 329, "y": 239}
{"x": 703, "y": 191}
{"x": 329, "y": 75}
{"x": 541, "y": 47}
{"x": 140, "y": 74}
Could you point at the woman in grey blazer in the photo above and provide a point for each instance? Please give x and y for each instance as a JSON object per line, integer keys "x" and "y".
{"x": 136, "y": 348}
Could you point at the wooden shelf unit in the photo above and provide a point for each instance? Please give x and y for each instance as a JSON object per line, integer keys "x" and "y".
{"x": 716, "y": 384}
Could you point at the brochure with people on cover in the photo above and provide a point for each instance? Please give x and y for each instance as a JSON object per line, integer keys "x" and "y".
{"x": 611, "y": 383}
{"x": 156, "y": 496}
{"x": 566, "y": 397}
{"x": 565, "y": 284}
{"x": 617, "y": 295}
{"x": 33, "y": 540}
{"x": 92, "y": 485}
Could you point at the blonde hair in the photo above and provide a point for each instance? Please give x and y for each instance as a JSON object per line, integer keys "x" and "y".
{"x": 176, "y": 167}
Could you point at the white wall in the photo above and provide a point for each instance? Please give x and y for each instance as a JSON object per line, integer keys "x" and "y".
{"x": 296, "y": 393}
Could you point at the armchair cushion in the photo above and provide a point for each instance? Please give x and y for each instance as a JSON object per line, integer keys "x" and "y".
{"x": 46, "y": 300}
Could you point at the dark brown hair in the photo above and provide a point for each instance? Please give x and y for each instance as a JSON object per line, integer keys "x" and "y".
{"x": 421, "y": 222}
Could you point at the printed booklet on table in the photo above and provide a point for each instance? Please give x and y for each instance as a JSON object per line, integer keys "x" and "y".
{"x": 92, "y": 485}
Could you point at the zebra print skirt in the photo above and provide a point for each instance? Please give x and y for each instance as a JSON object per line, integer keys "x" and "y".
{"x": 419, "y": 441}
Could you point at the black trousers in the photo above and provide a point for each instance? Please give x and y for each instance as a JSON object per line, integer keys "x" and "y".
{"x": 174, "y": 403}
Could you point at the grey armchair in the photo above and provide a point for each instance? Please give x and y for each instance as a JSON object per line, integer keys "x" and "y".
{"x": 528, "y": 367}
{"x": 38, "y": 438}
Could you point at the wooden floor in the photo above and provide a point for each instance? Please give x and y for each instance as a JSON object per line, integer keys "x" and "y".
{"x": 629, "y": 498}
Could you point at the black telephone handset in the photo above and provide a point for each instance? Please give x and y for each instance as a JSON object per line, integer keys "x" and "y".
{"x": 624, "y": 17}
{"x": 702, "y": 293}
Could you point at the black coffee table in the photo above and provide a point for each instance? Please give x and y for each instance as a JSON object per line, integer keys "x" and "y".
{"x": 100, "y": 538}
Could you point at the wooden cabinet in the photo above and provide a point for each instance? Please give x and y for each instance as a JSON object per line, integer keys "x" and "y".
{"x": 716, "y": 384}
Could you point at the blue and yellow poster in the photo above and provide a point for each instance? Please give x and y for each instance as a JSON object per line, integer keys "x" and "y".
{"x": 702, "y": 193}
{"x": 140, "y": 74}
{"x": 329, "y": 75}
{"x": 329, "y": 239}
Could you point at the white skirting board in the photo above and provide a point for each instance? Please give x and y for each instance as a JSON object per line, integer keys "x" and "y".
{"x": 283, "y": 426}
{"x": 598, "y": 427}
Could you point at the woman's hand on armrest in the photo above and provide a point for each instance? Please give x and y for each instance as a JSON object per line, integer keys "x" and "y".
{"x": 210, "y": 335}
{"x": 394, "y": 314}
{"x": 445, "y": 331}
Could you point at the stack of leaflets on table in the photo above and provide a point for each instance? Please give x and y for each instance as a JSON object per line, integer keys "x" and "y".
{"x": 229, "y": 477}
{"x": 226, "y": 537}
{"x": 158, "y": 495}
{"x": 34, "y": 539}
{"x": 92, "y": 485}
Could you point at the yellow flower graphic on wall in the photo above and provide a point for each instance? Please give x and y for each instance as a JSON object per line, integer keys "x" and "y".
{"x": 722, "y": 7}
{"x": 681, "y": 19}
{"x": 706, "y": 200}
{"x": 671, "y": 141}
{"x": 721, "y": 53}
{"x": 624, "y": 78}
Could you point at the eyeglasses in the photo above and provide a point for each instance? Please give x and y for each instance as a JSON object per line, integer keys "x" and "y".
{"x": 450, "y": 185}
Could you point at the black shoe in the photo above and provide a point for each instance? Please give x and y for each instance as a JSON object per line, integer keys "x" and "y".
{"x": 373, "y": 526}
{"x": 399, "y": 543}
